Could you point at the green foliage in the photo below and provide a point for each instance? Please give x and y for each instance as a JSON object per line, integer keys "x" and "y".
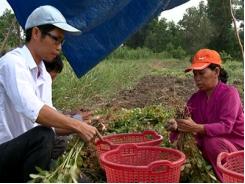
{"x": 197, "y": 169}
{"x": 11, "y": 29}
{"x": 236, "y": 75}
{"x": 138, "y": 39}
{"x": 196, "y": 28}
{"x": 67, "y": 168}
{"x": 158, "y": 36}
{"x": 154, "y": 118}
{"x": 139, "y": 119}
{"x": 218, "y": 13}
{"x": 238, "y": 9}
{"x": 223, "y": 39}
{"x": 205, "y": 26}
{"x": 225, "y": 57}
{"x": 164, "y": 55}
{"x": 124, "y": 52}
{"x": 107, "y": 78}
{"x": 177, "y": 53}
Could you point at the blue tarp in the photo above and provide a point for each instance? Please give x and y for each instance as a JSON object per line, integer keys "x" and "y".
{"x": 105, "y": 24}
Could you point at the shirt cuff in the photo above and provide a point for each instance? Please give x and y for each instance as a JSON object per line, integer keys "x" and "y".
{"x": 35, "y": 112}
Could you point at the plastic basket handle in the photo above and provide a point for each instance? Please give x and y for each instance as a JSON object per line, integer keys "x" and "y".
{"x": 157, "y": 166}
{"x": 150, "y": 132}
{"x": 221, "y": 157}
{"x": 126, "y": 146}
{"x": 105, "y": 142}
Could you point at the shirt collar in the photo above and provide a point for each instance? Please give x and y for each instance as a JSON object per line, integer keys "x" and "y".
{"x": 215, "y": 90}
{"x": 32, "y": 64}
{"x": 217, "y": 87}
{"x": 42, "y": 68}
{"x": 29, "y": 59}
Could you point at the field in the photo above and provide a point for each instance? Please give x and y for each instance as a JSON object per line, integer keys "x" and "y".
{"x": 130, "y": 91}
{"x": 132, "y": 78}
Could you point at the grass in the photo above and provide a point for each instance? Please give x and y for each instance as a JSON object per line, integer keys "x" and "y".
{"x": 121, "y": 70}
{"x": 105, "y": 79}
{"x": 235, "y": 70}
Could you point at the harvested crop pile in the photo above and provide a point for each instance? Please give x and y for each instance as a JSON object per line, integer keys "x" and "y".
{"x": 198, "y": 168}
{"x": 66, "y": 169}
{"x": 135, "y": 120}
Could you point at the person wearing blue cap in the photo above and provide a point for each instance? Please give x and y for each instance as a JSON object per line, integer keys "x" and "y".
{"x": 28, "y": 120}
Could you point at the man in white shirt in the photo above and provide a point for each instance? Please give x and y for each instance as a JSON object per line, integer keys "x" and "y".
{"x": 28, "y": 121}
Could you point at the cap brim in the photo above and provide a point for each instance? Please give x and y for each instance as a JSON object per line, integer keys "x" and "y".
{"x": 197, "y": 66}
{"x": 67, "y": 28}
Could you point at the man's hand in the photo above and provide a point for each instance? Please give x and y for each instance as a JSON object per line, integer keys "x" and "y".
{"x": 87, "y": 132}
{"x": 64, "y": 124}
{"x": 171, "y": 125}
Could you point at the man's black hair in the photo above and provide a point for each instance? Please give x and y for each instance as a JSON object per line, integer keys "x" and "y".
{"x": 43, "y": 28}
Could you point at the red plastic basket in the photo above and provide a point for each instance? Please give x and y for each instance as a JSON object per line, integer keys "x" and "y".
{"x": 147, "y": 138}
{"x": 131, "y": 163}
{"x": 231, "y": 165}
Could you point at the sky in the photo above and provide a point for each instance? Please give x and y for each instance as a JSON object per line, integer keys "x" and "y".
{"x": 177, "y": 13}
{"x": 174, "y": 14}
{"x": 3, "y": 5}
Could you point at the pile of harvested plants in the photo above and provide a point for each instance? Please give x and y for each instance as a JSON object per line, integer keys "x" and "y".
{"x": 81, "y": 158}
{"x": 196, "y": 169}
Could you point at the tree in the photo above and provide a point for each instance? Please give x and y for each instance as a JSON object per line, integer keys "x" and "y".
{"x": 175, "y": 35}
{"x": 224, "y": 37}
{"x": 158, "y": 37}
{"x": 237, "y": 15}
{"x": 207, "y": 26}
{"x": 138, "y": 39}
{"x": 10, "y": 31}
{"x": 239, "y": 9}
{"x": 196, "y": 28}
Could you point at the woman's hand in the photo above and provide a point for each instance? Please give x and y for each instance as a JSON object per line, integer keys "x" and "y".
{"x": 188, "y": 125}
{"x": 171, "y": 125}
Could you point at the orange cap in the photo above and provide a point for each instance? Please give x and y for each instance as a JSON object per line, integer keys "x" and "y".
{"x": 203, "y": 58}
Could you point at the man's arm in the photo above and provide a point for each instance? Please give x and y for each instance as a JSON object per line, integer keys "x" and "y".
{"x": 19, "y": 88}
{"x": 51, "y": 118}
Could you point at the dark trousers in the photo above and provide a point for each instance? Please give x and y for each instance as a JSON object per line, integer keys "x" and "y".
{"x": 20, "y": 156}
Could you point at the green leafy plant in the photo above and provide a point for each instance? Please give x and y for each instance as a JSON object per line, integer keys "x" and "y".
{"x": 196, "y": 169}
{"x": 66, "y": 170}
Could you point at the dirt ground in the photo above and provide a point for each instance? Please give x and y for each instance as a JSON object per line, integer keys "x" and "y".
{"x": 153, "y": 90}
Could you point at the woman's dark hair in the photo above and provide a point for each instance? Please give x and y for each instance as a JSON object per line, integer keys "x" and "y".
{"x": 43, "y": 28}
{"x": 223, "y": 76}
{"x": 55, "y": 65}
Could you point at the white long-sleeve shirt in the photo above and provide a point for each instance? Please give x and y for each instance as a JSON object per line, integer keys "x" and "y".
{"x": 22, "y": 92}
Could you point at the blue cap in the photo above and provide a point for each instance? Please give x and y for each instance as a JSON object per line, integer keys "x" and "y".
{"x": 49, "y": 15}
